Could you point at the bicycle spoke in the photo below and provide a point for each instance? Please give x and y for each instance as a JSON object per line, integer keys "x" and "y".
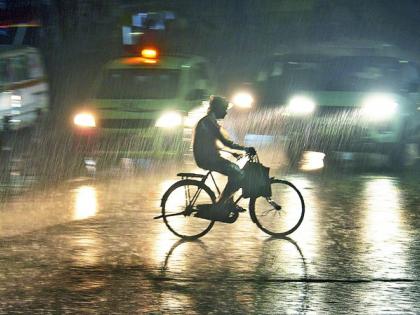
{"x": 190, "y": 200}
{"x": 267, "y": 211}
{"x": 186, "y": 197}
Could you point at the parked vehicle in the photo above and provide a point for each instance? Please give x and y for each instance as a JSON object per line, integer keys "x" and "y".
{"x": 24, "y": 101}
{"x": 24, "y": 94}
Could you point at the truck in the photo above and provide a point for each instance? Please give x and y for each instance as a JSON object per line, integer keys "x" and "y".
{"x": 24, "y": 94}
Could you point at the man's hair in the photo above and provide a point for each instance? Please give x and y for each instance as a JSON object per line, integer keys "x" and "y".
{"x": 218, "y": 102}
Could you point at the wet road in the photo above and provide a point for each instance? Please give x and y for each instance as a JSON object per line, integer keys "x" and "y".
{"x": 90, "y": 246}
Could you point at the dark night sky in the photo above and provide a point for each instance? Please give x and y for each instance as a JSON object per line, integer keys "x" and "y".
{"x": 242, "y": 24}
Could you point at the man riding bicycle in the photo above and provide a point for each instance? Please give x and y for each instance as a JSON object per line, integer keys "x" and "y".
{"x": 206, "y": 147}
{"x": 188, "y": 206}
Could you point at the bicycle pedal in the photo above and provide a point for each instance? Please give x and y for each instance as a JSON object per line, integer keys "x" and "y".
{"x": 239, "y": 209}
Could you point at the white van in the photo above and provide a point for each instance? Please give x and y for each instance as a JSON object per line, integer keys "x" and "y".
{"x": 24, "y": 94}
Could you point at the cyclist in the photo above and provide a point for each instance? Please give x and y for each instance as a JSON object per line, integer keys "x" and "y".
{"x": 206, "y": 148}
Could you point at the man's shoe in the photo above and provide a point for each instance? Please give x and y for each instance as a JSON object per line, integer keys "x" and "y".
{"x": 238, "y": 208}
{"x": 230, "y": 205}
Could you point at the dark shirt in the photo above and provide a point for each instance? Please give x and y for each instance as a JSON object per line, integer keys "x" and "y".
{"x": 206, "y": 134}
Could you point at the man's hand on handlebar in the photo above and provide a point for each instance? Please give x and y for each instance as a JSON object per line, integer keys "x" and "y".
{"x": 237, "y": 155}
{"x": 234, "y": 154}
{"x": 250, "y": 151}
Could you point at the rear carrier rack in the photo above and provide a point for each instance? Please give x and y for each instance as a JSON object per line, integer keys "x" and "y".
{"x": 186, "y": 175}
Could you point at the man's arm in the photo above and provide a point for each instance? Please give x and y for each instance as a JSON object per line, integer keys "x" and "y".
{"x": 215, "y": 129}
{"x": 229, "y": 143}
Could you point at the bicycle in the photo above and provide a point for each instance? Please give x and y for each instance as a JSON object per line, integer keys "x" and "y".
{"x": 179, "y": 206}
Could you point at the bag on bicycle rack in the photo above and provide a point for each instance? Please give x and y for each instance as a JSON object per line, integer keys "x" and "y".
{"x": 256, "y": 181}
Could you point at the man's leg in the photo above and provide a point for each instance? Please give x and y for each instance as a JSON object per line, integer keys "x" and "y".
{"x": 235, "y": 177}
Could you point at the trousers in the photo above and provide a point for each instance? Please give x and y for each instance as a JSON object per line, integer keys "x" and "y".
{"x": 231, "y": 170}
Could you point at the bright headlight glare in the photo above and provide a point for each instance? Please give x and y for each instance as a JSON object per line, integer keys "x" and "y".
{"x": 379, "y": 107}
{"x": 84, "y": 120}
{"x": 195, "y": 115}
{"x": 243, "y": 99}
{"x": 301, "y": 105}
{"x": 169, "y": 120}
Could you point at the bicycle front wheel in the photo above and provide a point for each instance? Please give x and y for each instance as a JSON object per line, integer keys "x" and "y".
{"x": 179, "y": 206}
{"x": 281, "y": 214}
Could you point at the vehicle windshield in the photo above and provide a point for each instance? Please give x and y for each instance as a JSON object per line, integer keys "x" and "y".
{"x": 139, "y": 84}
{"x": 296, "y": 74}
{"x": 366, "y": 73}
{"x": 348, "y": 73}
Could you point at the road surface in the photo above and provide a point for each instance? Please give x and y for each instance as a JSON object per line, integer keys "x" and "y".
{"x": 90, "y": 246}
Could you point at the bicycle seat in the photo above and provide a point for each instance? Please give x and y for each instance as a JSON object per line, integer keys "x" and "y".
{"x": 190, "y": 175}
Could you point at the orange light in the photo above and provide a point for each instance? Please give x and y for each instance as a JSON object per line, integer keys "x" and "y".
{"x": 146, "y": 60}
{"x": 138, "y": 60}
{"x": 149, "y": 53}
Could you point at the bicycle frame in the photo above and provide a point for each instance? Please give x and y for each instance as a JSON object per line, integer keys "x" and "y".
{"x": 203, "y": 181}
{"x": 197, "y": 193}
{"x": 199, "y": 181}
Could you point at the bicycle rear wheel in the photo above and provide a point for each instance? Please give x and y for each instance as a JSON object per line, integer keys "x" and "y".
{"x": 281, "y": 214}
{"x": 179, "y": 205}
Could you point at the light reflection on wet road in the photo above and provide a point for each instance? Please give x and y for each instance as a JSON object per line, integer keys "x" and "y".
{"x": 91, "y": 246}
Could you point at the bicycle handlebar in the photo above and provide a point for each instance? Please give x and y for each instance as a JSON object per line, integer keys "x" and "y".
{"x": 239, "y": 156}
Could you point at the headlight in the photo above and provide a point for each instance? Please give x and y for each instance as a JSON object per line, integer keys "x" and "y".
{"x": 169, "y": 120}
{"x": 84, "y": 120}
{"x": 243, "y": 99}
{"x": 300, "y": 105}
{"x": 379, "y": 107}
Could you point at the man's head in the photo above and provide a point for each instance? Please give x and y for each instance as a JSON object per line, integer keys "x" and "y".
{"x": 219, "y": 106}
